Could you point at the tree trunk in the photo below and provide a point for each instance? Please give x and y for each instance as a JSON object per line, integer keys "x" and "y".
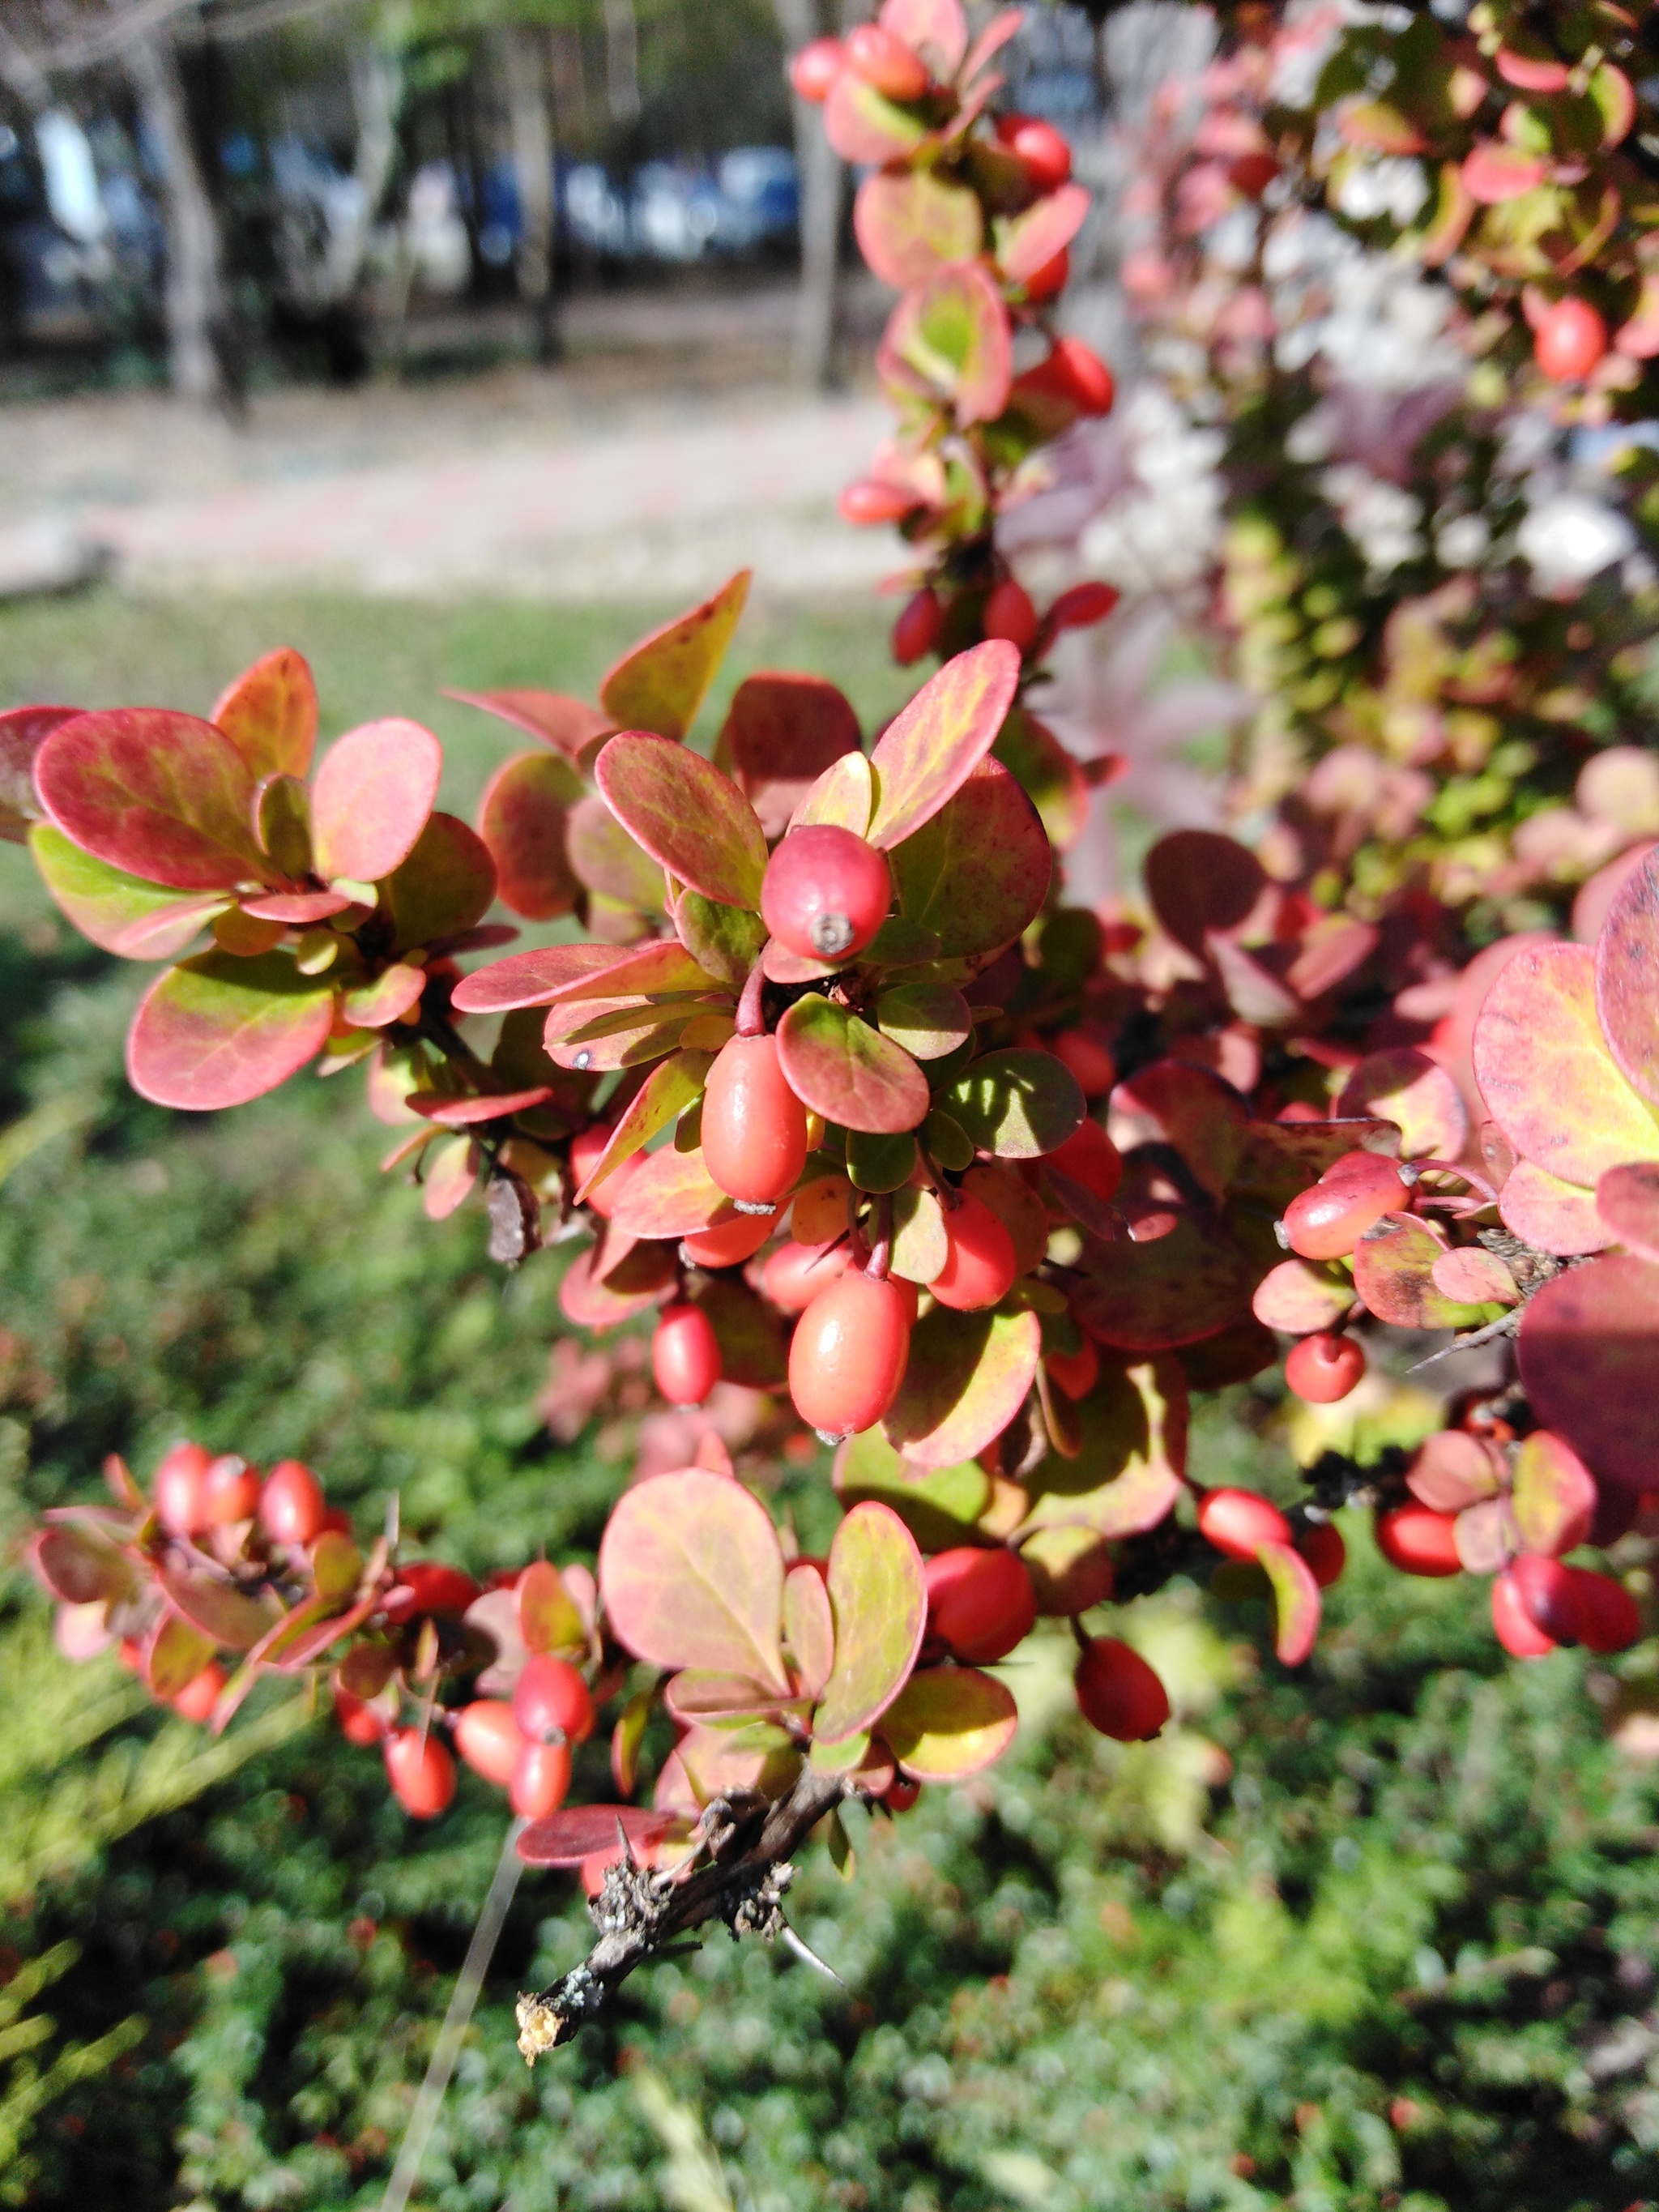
{"x": 522, "y": 60}
{"x": 622, "y": 58}
{"x": 195, "y": 297}
{"x": 819, "y": 169}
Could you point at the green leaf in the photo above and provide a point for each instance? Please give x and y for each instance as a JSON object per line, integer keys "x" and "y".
{"x": 174, "y": 1654}
{"x": 927, "y": 752}
{"x": 1018, "y": 1104}
{"x": 522, "y": 819}
{"x": 121, "y": 913}
{"x": 688, "y": 816}
{"x": 1296, "y": 1601}
{"x": 910, "y": 223}
{"x": 691, "y": 1575}
{"x": 878, "y": 1601}
{"x": 1132, "y": 1451}
{"x": 928, "y": 1019}
{"x": 842, "y": 1854}
{"x": 660, "y": 1099}
{"x": 727, "y": 941}
{"x": 282, "y": 813}
{"x": 938, "y": 1506}
{"x": 839, "y": 1066}
{"x": 218, "y": 1032}
{"x": 950, "y": 1722}
{"x": 1552, "y": 1496}
{"x": 948, "y": 1141}
{"x": 1394, "y": 1274}
{"x": 443, "y": 886}
{"x": 879, "y": 1163}
{"x": 921, "y": 1247}
{"x": 954, "y": 332}
{"x": 548, "y": 1617}
{"x": 660, "y": 685}
{"x": 967, "y": 1377}
{"x": 753, "y": 1353}
{"x": 809, "y": 1627}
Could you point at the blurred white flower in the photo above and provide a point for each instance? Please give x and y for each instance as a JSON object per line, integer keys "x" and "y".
{"x": 1391, "y": 187}
{"x": 1462, "y": 541}
{"x": 1162, "y": 531}
{"x": 1568, "y": 538}
{"x": 1384, "y": 522}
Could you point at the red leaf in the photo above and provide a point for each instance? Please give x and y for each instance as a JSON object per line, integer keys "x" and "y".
{"x": 217, "y": 1031}
{"x": 1556, "y": 1217}
{"x": 1198, "y": 881}
{"x": 1030, "y": 241}
{"x": 269, "y": 714}
{"x": 935, "y": 29}
{"x": 1407, "y": 1088}
{"x": 669, "y": 1194}
{"x": 576, "y": 1832}
{"x": 1394, "y": 1274}
{"x": 371, "y": 798}
{"x": 587, "y": 1302}
{"x": 521, "y": 820}
{"x": 1546, "y": 1074}
{"x": 1493, "y": 174}
{"x": 387, "y": 999}
{"x": 1627, "y": 1200}
{"x": 468, "y": 1113}
{"x": 911, "y": 223}
{"x": 302, "y": 907}
{"x": 978, "y": 870}
{"x": 1589, "y": 1350}
{"x": 23, "y": 730}
{"x": 570, "y": 725}
{"x": 782, "y": 732}
{"x": 928, "y": 752}
{"x": 691, "y": 1575}
{"x": 662, "y": 682}
{"x": 690, "y": 818}
{"x": 531, "y": 979}
{"x": 159, "y": 795}
{"x": 865, "y": 129}
{"x": 1627, "y": 979}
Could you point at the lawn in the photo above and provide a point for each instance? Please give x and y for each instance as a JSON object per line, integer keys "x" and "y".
{"x": 1383, "y": 1938}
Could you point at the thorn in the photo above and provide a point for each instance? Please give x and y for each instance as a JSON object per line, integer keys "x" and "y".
{"x": 808, "y": 1956}
{"x": 627, "y": 1847}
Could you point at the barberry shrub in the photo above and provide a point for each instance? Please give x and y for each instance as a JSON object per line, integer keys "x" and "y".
{"x": 839, "y": 1089}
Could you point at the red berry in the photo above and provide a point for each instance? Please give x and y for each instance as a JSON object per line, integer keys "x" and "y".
{"x": 1252, "y": 174}
{"x": 870, "y": 501}
{"x": 1090, "y": 1062}
{"x": 540, "y": 1780}
{"x": 980, "y": 1262}
{"x": 901, "y": 1793}
{"x": 1078, "y": 371}
{"x": 814, "y": 70}
{"x": 291, "y": 1507}
{"x": 1569, "y": 339}
{"x": 1324, "y": 1368}
{"x": 425, "y": 1586}
{"x": 797, "y": 1273}
{"x": 1118, "y": 1693}
{"x": 1236, "y": 1520}
{"x": 361, "y": 1720}
{"x": 980, "y": 1603}
{"x": 885, "y": 62}
{"x": 421, "y": 1772}
{"x": 1074, "y": 1372}
{"x": 1054, "y": 277}
{"x": 826, "y": 893}
{"x": 1545, "y": 1589}
{"x": 490, "y": 1740}
{"x": 729, "y": 1242}
{"x": 1516, "y": 1631}
{"x": 916, "y": 630}
{"x": 1418, "y": 1541}
{"x": 1009, "y": 614}
{"x": 1321, "y": 1546}
{"x": 685, "y": 1355}
{"x": 230, "y": 1492}
{"x": 1326, "y": 1222}
{"x": 754, "y": 1128}
{"x": 180, "y": 1490}
{"x": 1083, "y": 606}
{"x": 196, "y": 1701}
{"x": 551, "y": 1700}
{"x": 1089, "y": 1157}
{"x": 1047, "y": 156}
{"x": 1607, "y": 1615}
{"x": 847, "y": 1355}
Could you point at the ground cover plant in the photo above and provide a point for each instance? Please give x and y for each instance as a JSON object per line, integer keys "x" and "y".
{"x": 834, "y": 1043}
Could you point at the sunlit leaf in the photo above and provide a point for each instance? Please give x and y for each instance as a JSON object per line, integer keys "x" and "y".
{"x": 978, "y": 872}
{"x": 1627, "y": 1201}
{"x": 269, "y": 714}
{"x": 950, "y": 1722}
{"x": 158, "y": 795}
{"x": 840, "y": 1067}
{"x": 967, "y": 1377}
{"x": 910, "y": 223}
{"x": 570, "y": 725}
{"x": 935, "y": 29}
{"x": 661, "y": 1098}
{"x": 927, "y": 752}
{"x": 1132, "y": 1453}
{"x": 394, "y": 993}
{"x": 690, "y": 818}
{"x": 1627, "y": 980}
{"x": 842, "y": 798}
{"x": 576, "y": 1832}
{"x": 1296, "y": 1601}
{"x": 1589, "y": 1350}
{"x": 1546, "y": 1074}
{"x": 370, "y": 798}
{"x": 725, "y": 941}
{"x": 1552, "y": 1495}
{"x": 920, "y": 1246}
{"x": 217, "y": 1031}
{"x": 1407, "y": 1087}
{"x": 953, "y": 332}
{"x": 548, "y": 1619}
{"x": 470, "y": 1113}
{"x": 1299, "y": 1296}
{"x": 669, "y": 1194}
{"x": 782, "y": 732}
{"x": 1027, "y": 243}
{"x": 809, "y": 1627}
{"x": 531, "y": 979}
{"x": 691, "y": 1575}
{"x": 522, "y": 818}
{"x": 449, "y": 1172}
{"x": 587, "y": 1302}
{"x": 121, "y": 913}
{"x": 878, "y": 1601}
{"x": 938, "y": 1506}
{"x": 1394, "y": 1274}
{"x": 865, "y": 129}
{"x": 756, "y": 1755}
{"x": 1019, "y": 1104}
{"x": 660, "y": 684}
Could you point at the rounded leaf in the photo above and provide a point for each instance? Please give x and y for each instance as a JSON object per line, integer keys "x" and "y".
{"x": 269, "y": 714}
{"x": 950, "y": 1722}
{"x": 691, "y": 820}
{"x": 1589, "y": 1350}
{"x": 371, "y": 796}
{"x": 782, "y": 732}
{"x": 1027, "y": 243}
{"x": 121, "y": 913}
{"x": 660, "y": 684}
{"x": 1019, "y": 1104}
{"x": 161, "y": 795}
{"x": 570, "y": 725}
{"x": 927, "y": 752}
{"x": 1627, "y": 979}
{"x": 809, "y": 1627}
{"x": 978, "y": 872}
{"x": 1394, "y": 1267}
{"x": 1407, "y": 1087}
{"x": 839, "y": 1066}
{"x": 842, "y": 798}
{"x": 910, "y": 223}
{"x": 521, "y": 820}
{"x": 669, "y": 1194}
{"x": 531, "y": 979}
{"x": 1552, "y": 1495}
{"x": 1556, "y": 1217}
{"x": 691, "y": 1575}
{"x": 953, "y": 332}
{"x": 1296, "y": 1601}
{"x": 967, "y": 1376}
{"x": 23, "y": 730}
{"x": 1300, "y": 1298}
{"x": 1198, "y": 881}
{"x": 878, "y": 1602}
{"x": 218, "y": 1031}
{"x": 443, "y": 886}
{"x": 607, "y": 861}
{"x": 928, "y": 1019}
{"x": 1627, "y": 1201}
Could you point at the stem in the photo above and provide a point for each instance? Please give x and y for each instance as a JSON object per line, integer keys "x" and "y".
{"x": 738, "y": 1874}
{"x": 751, "y": 1019}
{"x": 463, "y": 2002}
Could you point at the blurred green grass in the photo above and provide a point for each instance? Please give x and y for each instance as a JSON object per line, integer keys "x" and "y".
{"x": 1381, "y": 1938}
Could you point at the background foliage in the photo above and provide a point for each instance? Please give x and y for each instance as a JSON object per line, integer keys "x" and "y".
{"x": 1386, "y": 1938}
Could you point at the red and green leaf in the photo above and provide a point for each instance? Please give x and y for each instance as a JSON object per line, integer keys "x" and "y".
{"x": 1019, "y": 1104}
{"x": 1394, "y": 1267}
{"x": 370, "y": 798}
{"x": 158, "y": 795}
{"x": 809, "y": 1627}
{"x": 23, "y": 730}
{"x": 660, "y": 685}
{"x": 1552, "y": 1495}
{"x": 950, "y": 1722}
{"x": 1027, "y": 243}
{"x": 1627, "y": 980}
{"x": 269, "y": 714}
{"x": 968, "y": 1375}
{"x": 927, "y": 752}
{"x": 669, "y": 1194}
{"x": 691, "y": 820}
{"x": 218, "y": 1032}
{"x": 839, "y": 1066}
{"x": 1296, "y": 1601}
{"x": 121, "y": 913}
{"x": 532, "y": 979}
{"x": 953, "y": 332}
{"x": 910, "y": 223}
{"x": 1589, "y": 1350}
{"x": 878, "y": 1602}
{"x": 1407, "y": 1087}
{"x": 781, "y": 733}
{"x": 522, "y": 818}
{"x": 570, "y": 725}
{"x": 691, "y": 1575}
{"x": 978, "y": 870}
